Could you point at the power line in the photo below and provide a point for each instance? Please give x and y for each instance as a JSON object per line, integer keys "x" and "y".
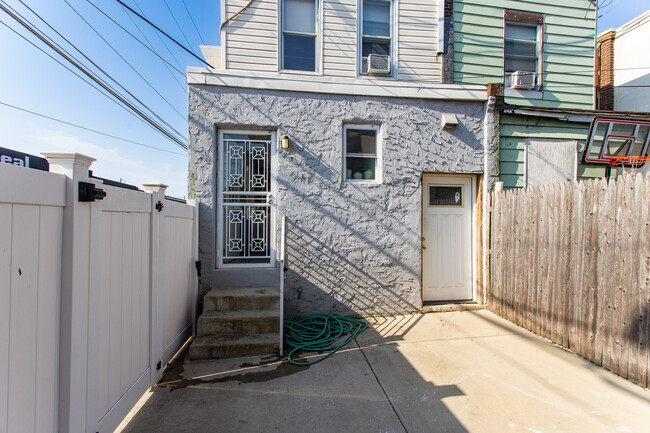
{"x": 193, "y": 23}
{"x": 136, "y": 38}
{"x": 90, "y": 75}
{"x": 89, "y": 129}
{"x": 153, "y": 48}
{"x": 162, "y": 41}
{"x": 125, "y": 61}
{"x": 161, "y": 31}
{"x": 177, "y": 25}
{"x": 48, "y": 40}
{"x": 94, "y": 86}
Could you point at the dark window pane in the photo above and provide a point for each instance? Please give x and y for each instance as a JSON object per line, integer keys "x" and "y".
{"x": 512, "y": 65}
{"x": 515, "y": 48}
{"x": 445, "y": 196}
{"x": 361, "y": 141}
{"x": 299, "y": 53}
{"x": 376, "y": 18}
{"x": 360, "y": 168}
{"x": 375, "y": 47}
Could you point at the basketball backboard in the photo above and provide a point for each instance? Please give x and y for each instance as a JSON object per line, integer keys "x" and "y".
{"x": 610, "y": 140}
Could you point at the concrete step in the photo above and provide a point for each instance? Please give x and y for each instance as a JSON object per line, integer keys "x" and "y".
{"x": 239, "y": 322}
{"x": 237, "y": 299}
{"x": 230, "y": 346}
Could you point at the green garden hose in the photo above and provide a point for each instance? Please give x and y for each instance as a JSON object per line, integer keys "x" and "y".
{"x": 319, "y": 333}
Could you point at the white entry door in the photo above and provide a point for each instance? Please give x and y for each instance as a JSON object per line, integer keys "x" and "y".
{"x": 447, "y": 264}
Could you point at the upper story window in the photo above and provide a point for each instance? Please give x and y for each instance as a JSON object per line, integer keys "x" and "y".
{"x": 376, "y": 37}
{"x": 522, "y": 54}
{"x": 299, "y": 35}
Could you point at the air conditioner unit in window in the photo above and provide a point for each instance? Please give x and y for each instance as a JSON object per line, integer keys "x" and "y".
{"x": 523, "y": 80}
{"x": 378, "y": 64}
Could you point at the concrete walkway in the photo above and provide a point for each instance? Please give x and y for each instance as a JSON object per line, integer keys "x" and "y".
{"x": 444, "y": 372}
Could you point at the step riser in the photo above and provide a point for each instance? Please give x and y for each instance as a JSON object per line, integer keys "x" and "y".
{"x": 239, "y": 303}
{"x": 227, "y": 351}
{"x": 243, "y": 326}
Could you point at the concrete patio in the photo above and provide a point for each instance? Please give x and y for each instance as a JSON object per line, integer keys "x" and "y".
{"x": 465, "y": 371}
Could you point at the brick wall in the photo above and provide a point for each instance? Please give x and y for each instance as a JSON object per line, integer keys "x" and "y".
{"x": 605, "y": 71}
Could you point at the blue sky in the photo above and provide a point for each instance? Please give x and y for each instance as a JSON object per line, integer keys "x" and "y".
{"x": 33, "y": 81}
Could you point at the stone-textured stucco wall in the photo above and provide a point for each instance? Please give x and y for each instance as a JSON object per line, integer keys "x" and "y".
{"x": 351, "y": 247}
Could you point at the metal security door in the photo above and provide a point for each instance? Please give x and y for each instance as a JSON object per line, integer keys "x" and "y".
{"x": 447, "y": 259}
{"x": 246, "y": 199}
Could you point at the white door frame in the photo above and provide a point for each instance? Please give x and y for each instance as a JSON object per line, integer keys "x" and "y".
{"x": 271, "y": 200}
{"x": 473, "y": 230}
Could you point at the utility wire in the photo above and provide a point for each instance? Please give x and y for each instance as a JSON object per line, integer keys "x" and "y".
{"x": 90, "y": 75}
{"x": 125, "y": 61}
{"x": 94, "y": 86}
{"x": 152, "y": 47}
{"x": 136, "y": 38}
{"x": 162, "y": 41}
{"x": 45, "y": 39}
{"x": 161, "y": 31}
{"x": 89, "y": 129}
{"x": 232, "y": 17}
{"x": 177, "y": 25}
{"x": 193, "y": 23}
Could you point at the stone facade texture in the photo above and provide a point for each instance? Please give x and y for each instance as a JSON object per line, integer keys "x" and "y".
{"x": 354, "y": 248}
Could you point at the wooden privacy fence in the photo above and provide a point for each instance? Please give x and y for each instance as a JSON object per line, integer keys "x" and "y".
{"x": 571, "y": 261}
{"x": 96, "y": 296}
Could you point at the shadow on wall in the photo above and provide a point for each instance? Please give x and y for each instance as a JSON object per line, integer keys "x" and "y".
{"x": 333, "y": 283}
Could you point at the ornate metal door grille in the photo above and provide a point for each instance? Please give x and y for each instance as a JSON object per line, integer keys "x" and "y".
{"x": 246, "y": 199}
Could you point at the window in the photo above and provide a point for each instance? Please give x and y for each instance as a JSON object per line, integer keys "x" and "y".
{"x": 361, "y": 153}
{"x": 376, "y": 35}
{"x": 522, "y": 50}
{"x": 299, "y": 35}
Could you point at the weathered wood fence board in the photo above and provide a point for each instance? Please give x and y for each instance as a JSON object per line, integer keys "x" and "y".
{"x": 571, "y": 262}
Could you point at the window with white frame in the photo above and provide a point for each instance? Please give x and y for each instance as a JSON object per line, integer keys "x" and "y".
{"x": 361, "y": 149}
{"x": 376, "y": 37}
{"x": 523, "y": 50}
{"x": 299, "y": 35}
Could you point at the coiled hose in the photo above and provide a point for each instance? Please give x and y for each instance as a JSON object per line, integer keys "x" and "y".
{"x": 319, "y": 333}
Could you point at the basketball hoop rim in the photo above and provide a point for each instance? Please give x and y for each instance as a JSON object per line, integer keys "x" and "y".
{"x": 620, "y": 160}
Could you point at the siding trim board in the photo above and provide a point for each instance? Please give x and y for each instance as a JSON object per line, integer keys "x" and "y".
{"x": 335, "y": 85}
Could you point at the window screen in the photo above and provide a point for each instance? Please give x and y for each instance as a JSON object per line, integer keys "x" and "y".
{"x": 299, "y": 35}
{"x": 520, "y": 52}
{"x": 376, "y": 30}
{"x": 361, "y": 153}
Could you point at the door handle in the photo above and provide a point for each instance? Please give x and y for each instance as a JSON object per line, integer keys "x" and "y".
{"x": 270, "y": 198}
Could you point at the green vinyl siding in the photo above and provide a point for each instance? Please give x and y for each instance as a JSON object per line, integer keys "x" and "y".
{"x": 569, "y": 33}
{"x": 515, "y": 129}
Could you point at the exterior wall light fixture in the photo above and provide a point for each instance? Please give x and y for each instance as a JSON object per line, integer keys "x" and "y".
{"x": 284, "y": 142}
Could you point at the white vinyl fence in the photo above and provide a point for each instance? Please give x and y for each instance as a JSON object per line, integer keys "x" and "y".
{"x": 101, "y": 295}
